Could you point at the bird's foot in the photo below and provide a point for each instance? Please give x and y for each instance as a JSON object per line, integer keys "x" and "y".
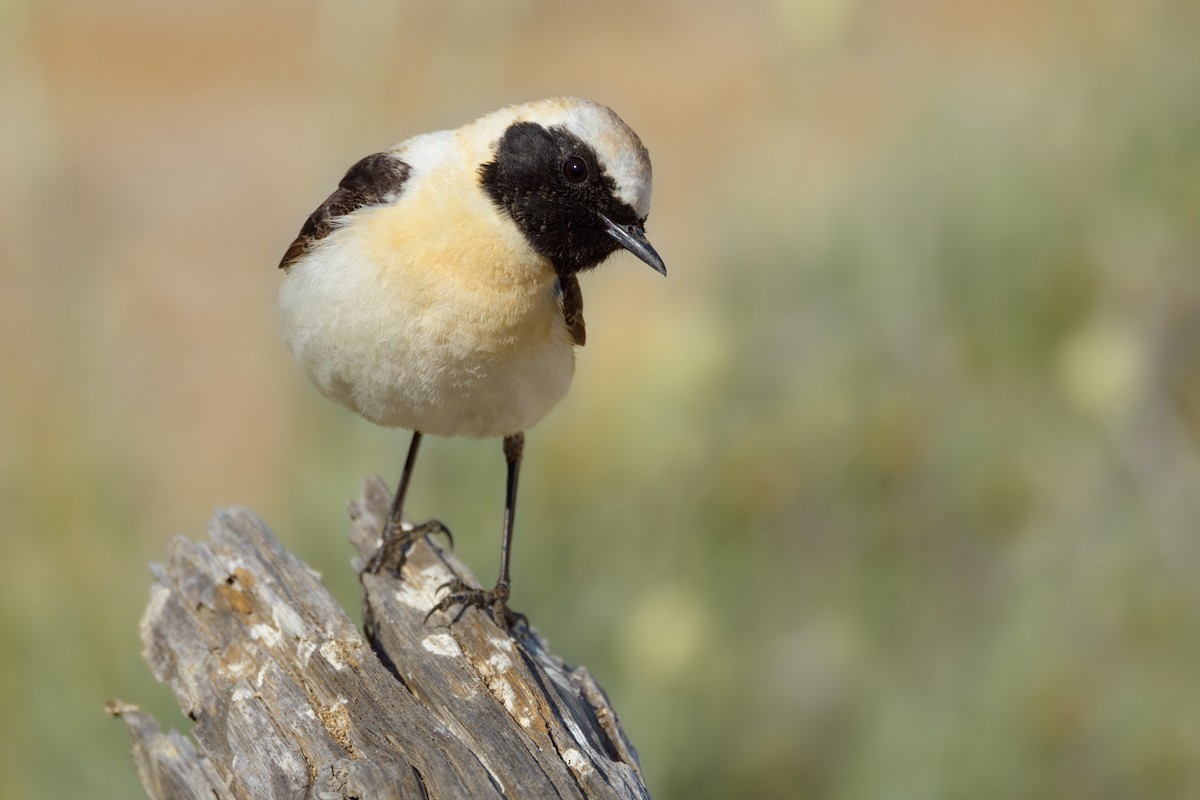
{"x": 398, "y": 537}
{"x": 463, "y": 596}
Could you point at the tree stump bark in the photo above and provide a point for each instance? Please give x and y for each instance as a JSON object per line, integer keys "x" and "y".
{"x": 290, "y": 700}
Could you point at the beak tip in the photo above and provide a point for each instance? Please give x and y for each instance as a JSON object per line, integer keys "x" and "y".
{"x": 634, "y": 240}
{"x": 649, "y": 257}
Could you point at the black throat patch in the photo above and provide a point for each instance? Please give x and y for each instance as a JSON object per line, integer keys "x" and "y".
{"x": 560, "y": 217}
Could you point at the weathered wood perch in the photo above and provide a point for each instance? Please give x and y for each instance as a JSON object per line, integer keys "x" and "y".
{"x": 289, "y": 699}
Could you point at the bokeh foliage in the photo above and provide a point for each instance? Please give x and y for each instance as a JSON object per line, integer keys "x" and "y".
{"x": 890, "y": 490}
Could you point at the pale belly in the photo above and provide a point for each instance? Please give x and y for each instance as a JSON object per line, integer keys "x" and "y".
{"x": 439, "y": 359}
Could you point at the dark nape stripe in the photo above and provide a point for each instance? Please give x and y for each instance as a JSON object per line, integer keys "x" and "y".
{"x": 572, "y": 307}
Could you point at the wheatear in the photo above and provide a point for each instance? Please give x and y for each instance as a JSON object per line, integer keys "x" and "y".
{"x": 437, "y": 288}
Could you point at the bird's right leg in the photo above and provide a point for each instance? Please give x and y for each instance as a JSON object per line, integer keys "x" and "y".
{"x": 398, "y": 534}
{"x": 461, "y": 594}
{"x": 395, "y": 520}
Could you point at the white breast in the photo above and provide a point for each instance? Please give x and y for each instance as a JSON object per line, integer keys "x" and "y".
{"x": 431, "y": 314}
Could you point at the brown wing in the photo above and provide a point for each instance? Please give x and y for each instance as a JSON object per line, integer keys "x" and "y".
{"x": 572, "y": 305}
{"x": 378, "y": 178}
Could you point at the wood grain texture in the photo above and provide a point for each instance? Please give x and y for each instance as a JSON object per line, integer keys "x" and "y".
{"x": 167, "y": 763}
{"x": 290, "y": 700}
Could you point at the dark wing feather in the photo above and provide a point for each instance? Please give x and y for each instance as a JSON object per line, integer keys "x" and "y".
{"x": 378, "y": 178}
{"x": 572, "y": 306}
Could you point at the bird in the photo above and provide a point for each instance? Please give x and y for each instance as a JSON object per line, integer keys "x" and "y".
{"x": 437, "y": 288}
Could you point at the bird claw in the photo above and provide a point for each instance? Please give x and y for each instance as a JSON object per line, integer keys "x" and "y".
{"x": 465, "y": 596}
{"x": 397, "y": 539}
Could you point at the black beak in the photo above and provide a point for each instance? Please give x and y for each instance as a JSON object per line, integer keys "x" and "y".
{"x": 633, "y": 238}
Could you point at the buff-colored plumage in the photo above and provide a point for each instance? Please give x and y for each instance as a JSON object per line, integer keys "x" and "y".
{"x": 433, "y": 312}
{"x": 436, "y": 288}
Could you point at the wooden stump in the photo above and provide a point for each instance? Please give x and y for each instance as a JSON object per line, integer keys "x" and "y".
{"x": 289, "y": 699}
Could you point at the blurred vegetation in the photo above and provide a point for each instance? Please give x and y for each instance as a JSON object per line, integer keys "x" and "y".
{"x": 890, "y": 490}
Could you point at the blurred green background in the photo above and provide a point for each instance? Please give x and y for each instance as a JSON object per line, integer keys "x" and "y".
{"x": 890, "y": 490}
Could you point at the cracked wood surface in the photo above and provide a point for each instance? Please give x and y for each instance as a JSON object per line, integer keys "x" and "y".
{"x": 290, "y": 700}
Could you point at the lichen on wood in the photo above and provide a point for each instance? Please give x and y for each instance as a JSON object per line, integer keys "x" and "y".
{"x": 290, "y": 700}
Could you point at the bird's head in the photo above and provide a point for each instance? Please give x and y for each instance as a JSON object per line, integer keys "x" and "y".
{"x": 576, "y": 181}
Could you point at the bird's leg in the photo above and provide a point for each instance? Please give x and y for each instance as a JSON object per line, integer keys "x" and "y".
{"x": 514, "y": 448}
{"x": 497, "y": 599}
{"x": 397, "y": 536}
{"x": 395, "y": 520}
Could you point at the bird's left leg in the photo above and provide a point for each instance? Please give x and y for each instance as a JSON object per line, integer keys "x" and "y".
{"x": 398, "y": 535}
{"x": 497, "y": 599}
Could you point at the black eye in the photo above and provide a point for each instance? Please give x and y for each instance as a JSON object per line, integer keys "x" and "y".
{"x": 575, "y": 169}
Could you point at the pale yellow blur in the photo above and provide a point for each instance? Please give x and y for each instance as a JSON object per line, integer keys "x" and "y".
{"x": 890, "y": 489}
